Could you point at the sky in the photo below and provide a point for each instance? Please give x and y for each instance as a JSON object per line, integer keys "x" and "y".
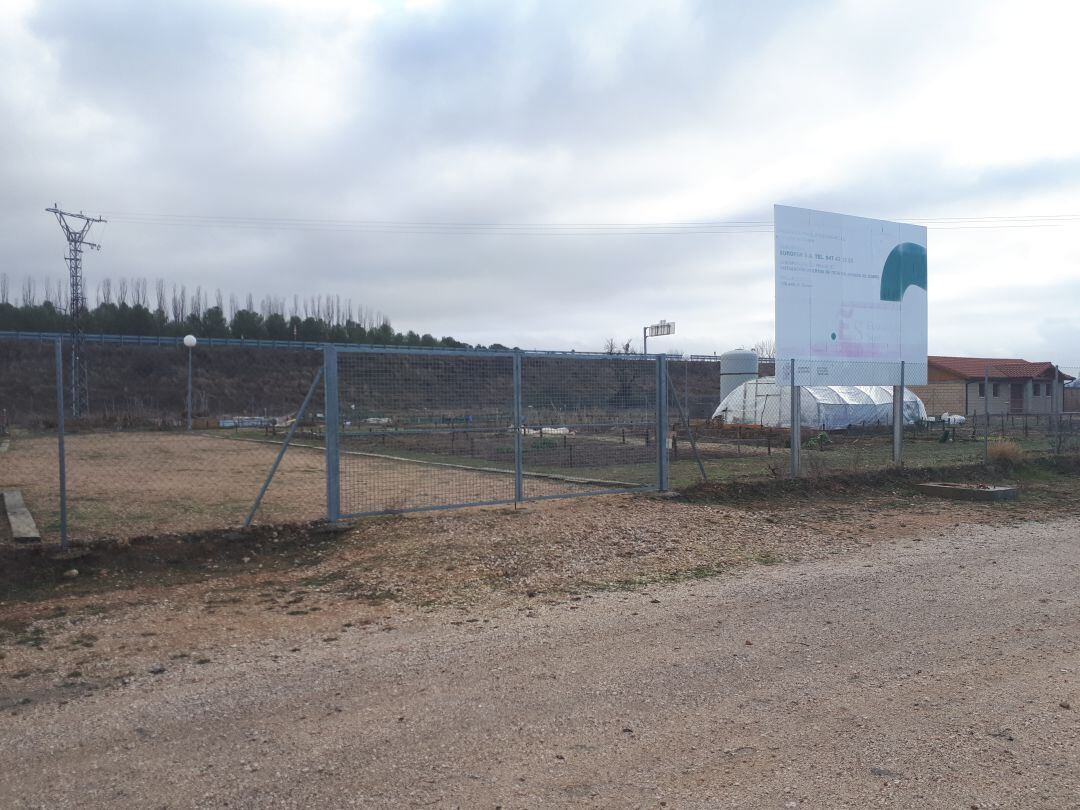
{"x": 510, "y": 171}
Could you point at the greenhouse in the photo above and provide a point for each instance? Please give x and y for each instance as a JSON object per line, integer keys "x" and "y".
{"x": 828, "y": 407}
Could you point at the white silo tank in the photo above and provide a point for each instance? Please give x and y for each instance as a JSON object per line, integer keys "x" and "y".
{"x": 736, "y": 367}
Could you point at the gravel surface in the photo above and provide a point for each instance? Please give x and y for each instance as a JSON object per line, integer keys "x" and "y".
{"x": 940, "y": 670}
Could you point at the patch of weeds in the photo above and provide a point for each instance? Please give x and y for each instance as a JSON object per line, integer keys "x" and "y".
{"x": 704, "y": 571}
{"x": 15, "y": 627}
{"x": 317, "y": 580}
{"x": 31, "y": 637}
{"x": 767, "y": 557}
{"x": 86, "y": 640}
{"x": 1037, "y": 473}
{"x": 378, "y": 597}
{"x": 619, "y": 584}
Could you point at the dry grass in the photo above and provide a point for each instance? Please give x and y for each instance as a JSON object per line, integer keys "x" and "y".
{"x": 138, "y": 483}
{"x": 1005, "y": 454}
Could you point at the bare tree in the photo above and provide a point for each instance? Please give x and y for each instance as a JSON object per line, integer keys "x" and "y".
{"x": 611, "y": 346}
{"x": 159, "y": 290}
{"x": 766, "y": 347}
{"x": 177, "y": 307}
{"x": 29, "y": 292}
{"x": 138, "y": 293}
{"x": 122, "y": 291}
{"x": 104, "y": 291}
{"x": 3, "y": 288}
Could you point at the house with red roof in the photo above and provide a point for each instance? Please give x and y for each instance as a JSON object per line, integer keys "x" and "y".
{"x": 966, "y": 385}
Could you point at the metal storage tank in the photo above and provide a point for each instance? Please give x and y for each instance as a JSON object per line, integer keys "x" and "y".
{"x": 736, "y": 367}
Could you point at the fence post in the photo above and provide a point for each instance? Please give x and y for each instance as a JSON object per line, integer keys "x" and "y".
{"x": 1056, "y": 408}
{"x": 986, "y": 413}
{"x": 661, "y": 424}
{"x": 796, "y": 424}
{"x": 333, "y": 457}
{"x": 898, "y": 420}
{"x": 60, "y": 442}
{"x": 519, "y": 487}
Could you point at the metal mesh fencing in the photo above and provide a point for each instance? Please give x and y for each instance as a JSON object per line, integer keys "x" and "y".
{"x": 29, "y": 450}
{"x": 848, "y": 425}
{"x": 420, "y": 431}
{"x": 588, "y": 424}
{"x": 708, "y": 445}
{"x": 406, "y": 430}
{"x": 132, "y": 466}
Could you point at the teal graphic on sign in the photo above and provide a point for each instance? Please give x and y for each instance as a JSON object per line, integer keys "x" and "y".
{"x": 905, "y": 267}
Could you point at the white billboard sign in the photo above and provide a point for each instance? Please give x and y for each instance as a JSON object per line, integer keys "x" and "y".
{"x": 850, "y": 299}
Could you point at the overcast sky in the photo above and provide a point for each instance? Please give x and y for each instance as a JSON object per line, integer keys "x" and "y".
{"x": 544, "y": 114}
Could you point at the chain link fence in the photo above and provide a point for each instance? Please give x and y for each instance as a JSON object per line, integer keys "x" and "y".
{"x": 288, "y": 435}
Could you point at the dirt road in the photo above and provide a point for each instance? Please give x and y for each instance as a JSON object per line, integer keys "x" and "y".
{"x": 940, "y": 671}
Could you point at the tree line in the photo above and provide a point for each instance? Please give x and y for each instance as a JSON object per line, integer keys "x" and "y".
{"x": 133, "y": 307}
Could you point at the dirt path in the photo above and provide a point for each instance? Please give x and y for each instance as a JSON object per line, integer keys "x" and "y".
{"x": 939, "y": 672}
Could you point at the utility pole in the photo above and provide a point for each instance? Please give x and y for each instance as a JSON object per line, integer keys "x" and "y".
{"x": 76, "y": 239}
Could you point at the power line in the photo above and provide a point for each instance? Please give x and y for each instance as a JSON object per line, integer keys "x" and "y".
{"x": 546, "y": 229}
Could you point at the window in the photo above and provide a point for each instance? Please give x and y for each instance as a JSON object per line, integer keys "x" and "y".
{"x": 1035, "y": 389}
{"x": 1049, "y": 389}
{"x": 982, "y": 389}
{"x": 996, "y": 390}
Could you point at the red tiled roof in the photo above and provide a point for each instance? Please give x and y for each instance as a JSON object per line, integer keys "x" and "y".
{"x": 975, "y": 368}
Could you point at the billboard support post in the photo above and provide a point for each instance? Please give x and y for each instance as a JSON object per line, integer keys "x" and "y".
{"x": 898, "y": 420}
{"x": 332, "y": 426}
{"x": 663, "y": 429}
{"x": 796, "y": 424}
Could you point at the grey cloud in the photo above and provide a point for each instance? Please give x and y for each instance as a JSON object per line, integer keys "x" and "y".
{"x": 514, "y": 86}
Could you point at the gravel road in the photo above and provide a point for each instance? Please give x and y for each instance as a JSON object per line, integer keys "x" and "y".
{"x": 940, "y": 672}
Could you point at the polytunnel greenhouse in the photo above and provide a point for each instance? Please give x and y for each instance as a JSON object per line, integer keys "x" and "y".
{"x": 828, "y": 407}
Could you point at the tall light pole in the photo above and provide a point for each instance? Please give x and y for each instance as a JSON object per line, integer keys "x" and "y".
{"x": 656, "y": 330}
{"x": 189, "y": 341}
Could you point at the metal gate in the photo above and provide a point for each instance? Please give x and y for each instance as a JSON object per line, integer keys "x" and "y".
{"x": 410, "y": 430}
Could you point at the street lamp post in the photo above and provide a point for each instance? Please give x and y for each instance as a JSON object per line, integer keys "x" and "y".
{"x": 189, "y": 341}
{"x": 656, "y": 330}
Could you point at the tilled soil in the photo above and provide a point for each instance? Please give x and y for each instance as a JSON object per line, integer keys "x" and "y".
{"x": 874, "y": 648}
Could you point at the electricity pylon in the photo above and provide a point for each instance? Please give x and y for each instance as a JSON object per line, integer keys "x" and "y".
{"x": 76, "y": 239}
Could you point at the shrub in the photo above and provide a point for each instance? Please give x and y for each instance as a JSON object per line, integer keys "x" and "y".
{"x": 1005, "y": 454}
